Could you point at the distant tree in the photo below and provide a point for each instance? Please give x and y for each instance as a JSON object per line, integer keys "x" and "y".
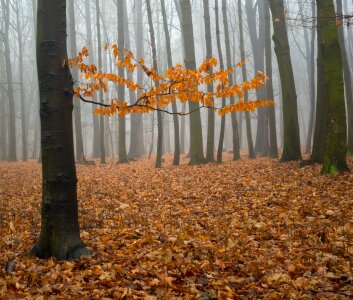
{"x": 291, "y": 146}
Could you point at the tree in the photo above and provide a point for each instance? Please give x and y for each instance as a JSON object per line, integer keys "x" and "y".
{"x": 291, "y": 145}
{"x": 80, "y": 155}
{"x": 155, "y": 65}
{"x": 121, "y": 89}
{"x": 59, "y": 236}
{"x": 12, "y": 150}
{"x": 211, "y": 114}
{"x": 196, "y": 143}
{"x": 236, "y": 145}
{"x": 176, "y": 159}
{"x": 333, "y": 105}
{"x": 347, "y": 80}
{"x": 245, "y": 78}
{"x": 269, "y": 85}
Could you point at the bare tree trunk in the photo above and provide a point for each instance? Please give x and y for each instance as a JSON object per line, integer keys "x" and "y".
{"x": 291, "y": 147}
{"x": 269, "y": 84}
{"x": 221, "y": 65}
{"x": 176, "y": 159}
{"x": 95, "y": 142}
{"x": 12, "y": 151}
{"x": 245, "y": 78}
{"x": 155, "y": 65}
{"x": 60, "y": 233}
{"x": 235, "y": 139}
{"x": 196, "y": 143}
{"x": 121, "y": 88}
{"x": 80, "y": 155}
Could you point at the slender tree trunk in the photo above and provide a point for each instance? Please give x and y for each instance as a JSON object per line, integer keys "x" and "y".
{"x": 60, "y": 235}
{"x": 335, "y": 149}
{"x": 347, "y": 80}
{"x": 95, "y": 142}
{"x": 196, "y": 143}
{"x": 80, "y": 156}
{"x": 221, "y": 65}
{"x": 176, "y": 159}
{"x": 235, "y": 138}
{"x": 12, "y": 151}
{"x": 269, "y": 84}
{"x": 211, "y": 113}
{"x": 121, "y": 88}
{"x": 155, "y": 65}
{"x": 245, "y": 78}
{"x": 291, "y": 147}
{"x": 101, "y": 117}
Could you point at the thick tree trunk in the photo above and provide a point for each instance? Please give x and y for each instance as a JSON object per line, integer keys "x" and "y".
{"x": 176, "y": 159}
{"x": 245, "y": 78}
{"x": 211, "y": 113}
{"x": 335, "y": 148}
{"x": 60, "y": 236}
{"x": 80, "y": 156}
{"x": 155, "y": 65}
{"x": 269, "y": 83}
{"x": 233, "y": 115}
{"x": 221, "y": 65}
{"x": 196, "y": 143}
{"x": 12, "y": 145}
{"x": 291, "y": 147}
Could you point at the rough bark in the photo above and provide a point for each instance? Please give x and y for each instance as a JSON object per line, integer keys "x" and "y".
{"x": 60, "y": 235}
{"x": 291, "y": 146}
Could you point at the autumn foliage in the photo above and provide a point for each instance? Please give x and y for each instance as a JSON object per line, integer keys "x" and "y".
{"x": 178, "y": 83}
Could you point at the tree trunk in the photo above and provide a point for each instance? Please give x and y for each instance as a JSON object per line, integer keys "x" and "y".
{"x": 155, "y": 65}
{"x": 210, "y": 113}
{"x": 95, "y": 146}
{"x": 80, "y": 156}
{"x": 176, "y": 159}
{"x": 121, "y": 88}
{"x": 335, "y": 148}
{"x": 235, "y": 137}
{"x": 221, "y": 65}
{"x": 269, "y": 84}
{"x": 60, "y": 235}
{"x": 12, "y": 150}
{"x": 196, "y": 143}
{"x": 245, "y": 78}
{"x": 291, "y": 146}
{"x": 347, "y": 80}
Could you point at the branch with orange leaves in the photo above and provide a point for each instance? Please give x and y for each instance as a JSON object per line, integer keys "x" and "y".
{"x": 178, "y": 83}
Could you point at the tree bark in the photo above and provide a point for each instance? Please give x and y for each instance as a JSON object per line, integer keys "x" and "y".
{"x": 251, "y": 151}
{"x": 291, "y": 146}
{"x": 60, "y": 235}
{"x": 196, "y": 143}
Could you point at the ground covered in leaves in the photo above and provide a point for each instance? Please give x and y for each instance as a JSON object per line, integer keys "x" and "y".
{"x": 240, "y": 230}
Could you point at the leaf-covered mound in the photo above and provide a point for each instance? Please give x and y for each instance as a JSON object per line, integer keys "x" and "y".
{"x": 248, "y": 229}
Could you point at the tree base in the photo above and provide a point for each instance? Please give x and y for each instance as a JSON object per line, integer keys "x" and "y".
{"x": 62, "y": 252}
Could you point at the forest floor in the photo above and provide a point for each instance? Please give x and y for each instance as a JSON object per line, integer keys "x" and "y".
{"x": 240, "y": 230}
